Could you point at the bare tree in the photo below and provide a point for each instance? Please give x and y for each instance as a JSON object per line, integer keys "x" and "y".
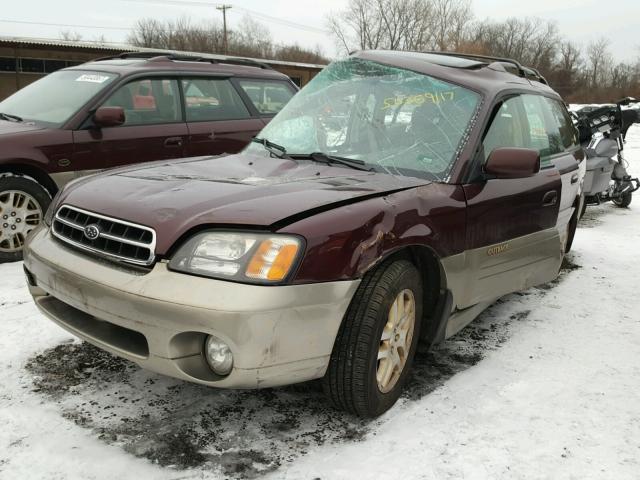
{"x": 451, "y": 19}
{"x": 71, "y": 36}
{"x": 249, "y": 39}
{"x": 599, "y": 59}
{"x": 359, "y": 26}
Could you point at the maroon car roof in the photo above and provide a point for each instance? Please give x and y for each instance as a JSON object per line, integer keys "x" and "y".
{"x": 163, "y": 64}
{"x": 484, "y": 77}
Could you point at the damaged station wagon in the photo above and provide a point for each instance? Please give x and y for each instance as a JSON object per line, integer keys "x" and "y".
{"x": 390, "y": 202}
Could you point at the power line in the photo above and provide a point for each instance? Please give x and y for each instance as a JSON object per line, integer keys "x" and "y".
{"x": 65, "y": 25}
{"x": 281, "y": 21}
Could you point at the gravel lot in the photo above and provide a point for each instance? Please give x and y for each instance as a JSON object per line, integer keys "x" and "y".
{"x": 543, "y": 385}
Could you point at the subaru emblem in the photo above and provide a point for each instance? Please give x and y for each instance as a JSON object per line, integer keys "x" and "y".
{"x": 91, "y": 232}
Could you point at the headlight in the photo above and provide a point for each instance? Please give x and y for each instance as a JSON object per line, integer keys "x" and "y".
{"x": 245, "y": 257}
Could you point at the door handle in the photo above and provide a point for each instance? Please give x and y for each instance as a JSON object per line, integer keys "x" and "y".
{"x": 550, "y": 198}
{"x": 574, "y": 178}
{"x": 173, "y": 142}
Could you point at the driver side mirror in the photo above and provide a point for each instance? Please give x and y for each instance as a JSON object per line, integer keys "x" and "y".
{"x": 508, "y": 162}
{"x": 109, "y": 117}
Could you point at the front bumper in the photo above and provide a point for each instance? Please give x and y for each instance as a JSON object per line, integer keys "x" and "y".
{"x": 160, "y": 319}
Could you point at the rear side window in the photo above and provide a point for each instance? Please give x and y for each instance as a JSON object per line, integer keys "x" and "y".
{"x": 267, "y": 96}
{"x": 212, "y": 99}
{"x": 148, "y": 102}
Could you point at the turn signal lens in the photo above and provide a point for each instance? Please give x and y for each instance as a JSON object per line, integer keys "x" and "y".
{"x": 273, "y": 259}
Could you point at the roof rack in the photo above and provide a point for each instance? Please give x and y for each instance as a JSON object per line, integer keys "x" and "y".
{"x": 522, "y": 71}
{"x": 162, "y": 56}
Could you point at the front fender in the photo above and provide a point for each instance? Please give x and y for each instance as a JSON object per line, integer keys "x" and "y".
{"x": 344, "y": 243}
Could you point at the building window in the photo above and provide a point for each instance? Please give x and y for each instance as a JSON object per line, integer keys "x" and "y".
{"x": 53, "y": 65}
{"x": 7, "y": 64}
{"x": 297, "y": 81}
{"x": 31, "y": 65}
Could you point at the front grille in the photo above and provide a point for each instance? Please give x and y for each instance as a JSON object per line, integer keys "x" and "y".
{"x": 105, "y": 236}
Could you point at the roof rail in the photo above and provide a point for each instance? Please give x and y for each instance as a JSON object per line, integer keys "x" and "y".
{"x": 524, "y": 72}
{"x": 162, "y": 56}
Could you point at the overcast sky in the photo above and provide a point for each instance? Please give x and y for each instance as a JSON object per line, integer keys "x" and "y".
{"x": 303, "y": 21}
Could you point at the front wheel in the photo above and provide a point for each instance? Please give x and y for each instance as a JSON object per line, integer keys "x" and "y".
{"x": 622, "y": 201}
{"x": 23, "y": 203}
{"x": 374, "y": 349}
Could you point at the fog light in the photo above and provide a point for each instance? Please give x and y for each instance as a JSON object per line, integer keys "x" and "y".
{"x": 218, "y": 355}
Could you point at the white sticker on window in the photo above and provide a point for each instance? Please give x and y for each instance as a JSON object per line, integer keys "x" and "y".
{"x": 92, "y": 78}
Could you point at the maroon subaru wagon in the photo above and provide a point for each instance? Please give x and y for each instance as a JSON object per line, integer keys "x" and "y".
{"x": 390, "y": 201}
{"x": 119, "y": 111}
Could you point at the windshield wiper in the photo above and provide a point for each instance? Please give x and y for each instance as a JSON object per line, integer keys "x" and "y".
{"x": 322, "y": 157}
{"x": 273, "y": 148}
{"x": 11, "y": 118}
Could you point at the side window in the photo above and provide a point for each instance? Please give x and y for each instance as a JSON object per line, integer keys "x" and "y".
{"x": 268, "y": 96}
{"x": 544, "y": 134}
{"x": 508, "y": 128}
{"x": 148, "y": 102}
{"x": 568, "y": 133}
{"x": 212, "y": 99}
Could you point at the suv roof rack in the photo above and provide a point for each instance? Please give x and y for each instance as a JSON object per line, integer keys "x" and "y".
{"x": 529, "y": 73}
{"x": 161, "y": 56}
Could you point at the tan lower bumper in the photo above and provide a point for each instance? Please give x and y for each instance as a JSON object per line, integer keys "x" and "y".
{"x": 160, "y": 319}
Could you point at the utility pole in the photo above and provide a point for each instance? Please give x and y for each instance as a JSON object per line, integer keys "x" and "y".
{"x": 225, "y": 43}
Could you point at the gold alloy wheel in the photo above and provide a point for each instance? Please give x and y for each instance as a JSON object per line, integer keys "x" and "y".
{"x": 396, "y": 340}
{"x": 19, "y": 214}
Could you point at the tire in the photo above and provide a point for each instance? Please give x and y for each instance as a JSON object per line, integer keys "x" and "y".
{"x": 623, "y": 201}
{"x": 23, "y": 203}
{"x": 583, "y": 209}
{"x": 351, "y": 382}
{"x": 573, "y": 224}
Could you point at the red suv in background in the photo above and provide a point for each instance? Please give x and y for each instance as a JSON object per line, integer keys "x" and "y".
{"x": 122, "y": 110}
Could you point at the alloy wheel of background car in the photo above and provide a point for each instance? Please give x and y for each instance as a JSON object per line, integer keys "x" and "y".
{"x": 23, "y": 203}
{"x": 385, "y": 312}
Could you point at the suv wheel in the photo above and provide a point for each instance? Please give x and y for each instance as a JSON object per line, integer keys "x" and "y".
{"x": 23, "y": 203}
{"x": 374, "y": 349}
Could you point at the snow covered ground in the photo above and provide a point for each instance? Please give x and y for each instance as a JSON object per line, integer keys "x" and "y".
{"x": 544, "y": 385}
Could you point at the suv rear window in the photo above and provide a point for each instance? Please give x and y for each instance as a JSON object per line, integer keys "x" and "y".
{"x": 212, "y": 99}
{"x": 267, "y": 96}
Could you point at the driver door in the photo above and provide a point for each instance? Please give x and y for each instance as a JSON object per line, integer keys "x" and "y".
{"x": 512, "y": 241}
{"x": 153, "y": 130}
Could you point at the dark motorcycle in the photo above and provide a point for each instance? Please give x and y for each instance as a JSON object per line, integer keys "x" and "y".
{"x": 602, "y": 131}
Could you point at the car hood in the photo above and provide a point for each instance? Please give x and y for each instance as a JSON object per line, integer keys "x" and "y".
{"x": 236, "y": 190}
{"x": 8, "y": 128}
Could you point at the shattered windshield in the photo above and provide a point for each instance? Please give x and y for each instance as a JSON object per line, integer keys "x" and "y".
{"x": 395, "y": 120}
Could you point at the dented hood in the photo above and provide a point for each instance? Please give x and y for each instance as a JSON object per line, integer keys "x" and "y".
{"x": 239, "y": 190}
{"x": 9, "y": 128}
